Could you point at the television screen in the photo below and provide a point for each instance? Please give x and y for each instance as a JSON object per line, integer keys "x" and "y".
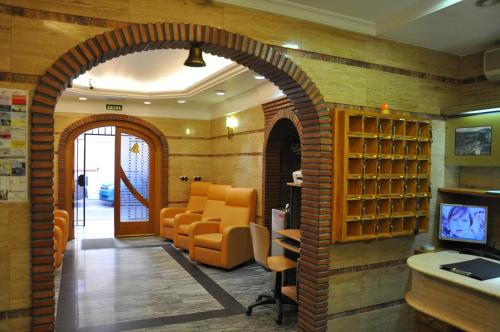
{"x": 464, "y": 223}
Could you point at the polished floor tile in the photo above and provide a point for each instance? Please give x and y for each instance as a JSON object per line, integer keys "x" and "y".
{"x": 145, "y": 284}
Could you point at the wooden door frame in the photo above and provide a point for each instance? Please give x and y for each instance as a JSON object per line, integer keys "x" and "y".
{"x": 134, "y": 231}
{"x": 159, "y": 167}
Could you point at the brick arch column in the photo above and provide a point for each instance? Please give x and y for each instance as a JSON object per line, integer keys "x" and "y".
{"x": 70, "y": 133}
{"x": 277, "y": 67}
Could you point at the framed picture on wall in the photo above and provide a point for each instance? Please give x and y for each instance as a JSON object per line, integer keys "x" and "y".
{"x": 473, "y": 141}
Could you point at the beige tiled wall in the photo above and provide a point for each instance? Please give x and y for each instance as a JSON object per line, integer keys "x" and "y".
{"x": 205, "y": 152}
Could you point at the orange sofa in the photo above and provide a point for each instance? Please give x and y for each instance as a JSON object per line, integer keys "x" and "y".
{"x": 227, "y": 243}
{"x": 212, "y": 212}
{"x": 196, "y": 204}
{"x": 64, "y": 214}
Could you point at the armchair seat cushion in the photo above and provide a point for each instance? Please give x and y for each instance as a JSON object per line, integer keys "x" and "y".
{"x": 184, "y": 229}
{"x": 210, "y": 240}
{"x": 168, "y": 222}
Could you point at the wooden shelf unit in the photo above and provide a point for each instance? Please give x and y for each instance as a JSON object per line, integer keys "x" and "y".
{"x": 381, "y": 175}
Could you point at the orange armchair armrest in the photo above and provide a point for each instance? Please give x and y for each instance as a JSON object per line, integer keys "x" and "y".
{"x": 195, "y": 211}
{"x": 211, "y": 219}
{"x": 201, "y": 227}
{"x": 236, "y": 245}
{"x": 185, "y": 219}
{"x": 170, "y": 212}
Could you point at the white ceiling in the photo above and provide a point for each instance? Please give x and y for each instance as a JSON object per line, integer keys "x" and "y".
{"x": 153, "y": 72}
{"x": 453, "y": 26}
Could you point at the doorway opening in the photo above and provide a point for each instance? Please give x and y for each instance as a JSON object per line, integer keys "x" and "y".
{"x": 93, "y": 178}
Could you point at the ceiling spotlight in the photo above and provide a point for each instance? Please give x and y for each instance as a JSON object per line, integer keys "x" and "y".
{"x": 195, "y": 57}
{"x": 486, "y": 3}
{"x": 82, "y": 98}
{"x": 181, "y": 101}
{"x": 259, "y": 77}
{"x": 220, "y": 92}
{"x": 147, "y": 103}
{"x": 91, "y": 87}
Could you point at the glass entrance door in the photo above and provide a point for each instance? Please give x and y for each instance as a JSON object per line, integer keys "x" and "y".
{"x": 134, "y": 180}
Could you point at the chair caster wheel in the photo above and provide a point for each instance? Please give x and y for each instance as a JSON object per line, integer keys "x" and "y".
{"x": 279, "y": 321}
{"x": 248, "y": 312}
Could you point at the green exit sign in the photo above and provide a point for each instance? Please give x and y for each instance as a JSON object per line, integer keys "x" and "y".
{"x": 114, "y": 107}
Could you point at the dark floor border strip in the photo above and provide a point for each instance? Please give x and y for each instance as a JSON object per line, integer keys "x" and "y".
{"x": 127, "y": 247}
{"x": 107, "y": 23}
{"x": 159, "y": 321}
{"x": 362, "y": 310}
{"x": 16, "y": 313}
{"x": 367, "y": 267}
{"x": 67, "y": 304}
{"x": 217, "y": 292}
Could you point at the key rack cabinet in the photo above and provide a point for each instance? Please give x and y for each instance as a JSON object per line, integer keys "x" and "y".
{"x": 381, "y": 175}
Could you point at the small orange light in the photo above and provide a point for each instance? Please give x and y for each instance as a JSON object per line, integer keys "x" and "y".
{"x": 384, "y": 107}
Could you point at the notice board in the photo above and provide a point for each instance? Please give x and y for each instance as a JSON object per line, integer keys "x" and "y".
{"x": 13, "y": 145}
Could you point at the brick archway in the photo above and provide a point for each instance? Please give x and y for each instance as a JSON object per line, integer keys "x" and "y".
{"x": 281, "y": 120}
{"x": 102, "y": 120}
{"x": 310, "y": 108}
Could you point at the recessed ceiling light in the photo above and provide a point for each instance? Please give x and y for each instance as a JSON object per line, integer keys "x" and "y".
{"x": 220, "y": 92}
{"x": 259, "y": 77}
{"x": 181, "y": 101}
{"x": 82, "y": 98}
{"x": 147, "y": 103}
{"x": 486, "y": 3}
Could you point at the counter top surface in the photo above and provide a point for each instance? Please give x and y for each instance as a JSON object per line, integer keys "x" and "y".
{"x": 429, "y": 264}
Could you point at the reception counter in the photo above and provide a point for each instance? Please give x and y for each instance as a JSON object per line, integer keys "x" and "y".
{"x": 460, "y": 301}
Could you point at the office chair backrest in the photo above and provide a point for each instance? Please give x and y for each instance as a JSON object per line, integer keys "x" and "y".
{"x": 216, "y": 200}
{"x": 239, "y": 208}
{"x": 260, "y": 243}
{"x": 198, "y": 196}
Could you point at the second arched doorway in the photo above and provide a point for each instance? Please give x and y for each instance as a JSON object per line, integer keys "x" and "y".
{"x": 146, "y": 142}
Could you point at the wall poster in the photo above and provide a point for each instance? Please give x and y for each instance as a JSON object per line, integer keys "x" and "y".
{"x": 13, "y": 145}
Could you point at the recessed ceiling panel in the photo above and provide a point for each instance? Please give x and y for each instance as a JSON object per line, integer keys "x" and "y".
{"x": 150, "y": 72}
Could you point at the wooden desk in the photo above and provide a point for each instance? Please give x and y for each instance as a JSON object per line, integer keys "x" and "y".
{"x": 463, "y": 302}
{"x": 294, "y": 234}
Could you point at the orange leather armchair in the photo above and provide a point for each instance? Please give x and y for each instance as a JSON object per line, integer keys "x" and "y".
{"x": 65, "y": 216}
{"x": 227, "y": 243}
{"x": 196, "y": 204}
{"x": 58, "y": 249}
{"x": 212, "y": 212}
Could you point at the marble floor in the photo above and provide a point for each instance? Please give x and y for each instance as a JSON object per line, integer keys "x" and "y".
{"x": 146, "y": 284}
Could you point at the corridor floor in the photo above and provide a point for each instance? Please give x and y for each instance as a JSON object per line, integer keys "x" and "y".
{"x": 146, "y": 284}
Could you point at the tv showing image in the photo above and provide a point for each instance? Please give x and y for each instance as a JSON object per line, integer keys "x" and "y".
{"x": 463, "y": 223}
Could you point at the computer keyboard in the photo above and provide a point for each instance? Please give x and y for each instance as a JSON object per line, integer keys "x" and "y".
{"x": 291, "y": 242}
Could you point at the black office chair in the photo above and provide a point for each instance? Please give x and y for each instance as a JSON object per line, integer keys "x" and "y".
{"x": 278, "y": 264}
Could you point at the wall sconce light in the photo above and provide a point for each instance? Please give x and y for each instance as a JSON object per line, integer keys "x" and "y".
{"x": 231, "y": 123}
